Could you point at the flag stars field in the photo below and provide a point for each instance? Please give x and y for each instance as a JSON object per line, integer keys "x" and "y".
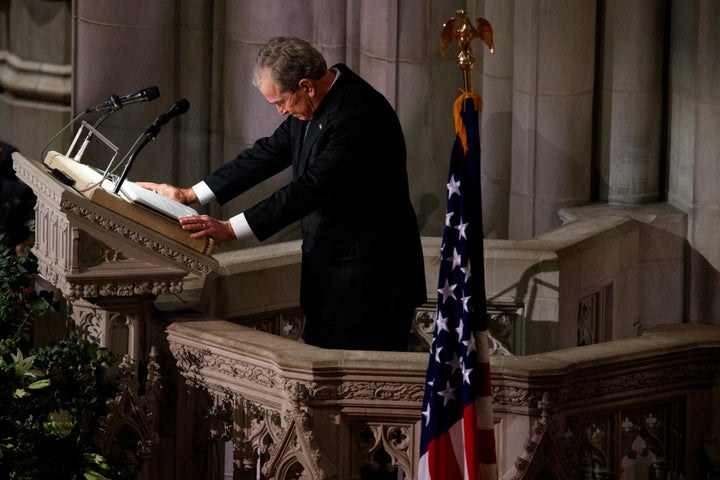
{"x": 456, "y": 440}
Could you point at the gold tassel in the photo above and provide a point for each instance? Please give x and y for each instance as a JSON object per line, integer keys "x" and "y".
{"x": 457, "y": 114}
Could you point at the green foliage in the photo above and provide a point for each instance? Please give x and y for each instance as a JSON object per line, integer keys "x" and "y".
{"x": 53, "y": 398}
{"x": 19, "y": 302}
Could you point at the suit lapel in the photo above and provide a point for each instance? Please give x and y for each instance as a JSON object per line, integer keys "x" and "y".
{"x": 321, "y": 120}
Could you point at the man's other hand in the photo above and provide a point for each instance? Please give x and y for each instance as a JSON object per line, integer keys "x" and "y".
{"x": 206, "y": 226}
{"x": 185, "y": 196}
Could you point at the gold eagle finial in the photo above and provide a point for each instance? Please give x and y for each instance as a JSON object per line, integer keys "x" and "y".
{"x": 464, "y": 33}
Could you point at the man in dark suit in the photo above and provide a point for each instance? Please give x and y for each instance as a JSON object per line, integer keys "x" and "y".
{"x": 362, "y": 262}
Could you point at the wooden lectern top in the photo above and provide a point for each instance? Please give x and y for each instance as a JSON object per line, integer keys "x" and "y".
{"x": 88, "y": 182}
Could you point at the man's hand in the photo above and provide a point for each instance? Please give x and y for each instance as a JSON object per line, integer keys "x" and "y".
{"x": 183, "y": 195}
{"x": 207, "y": 226}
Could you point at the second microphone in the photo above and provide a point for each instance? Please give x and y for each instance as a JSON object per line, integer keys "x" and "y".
{"x": 180, "y": 107}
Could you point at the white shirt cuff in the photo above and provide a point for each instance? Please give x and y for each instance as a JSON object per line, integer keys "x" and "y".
{"x": 240, "y": 226}
{"x": 203, "y": 192}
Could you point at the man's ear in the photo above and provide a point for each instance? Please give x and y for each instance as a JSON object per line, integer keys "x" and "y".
{"x": 307, "y": 86}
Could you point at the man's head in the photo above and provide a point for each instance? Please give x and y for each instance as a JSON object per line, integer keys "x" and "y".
{"x": 291, "y": 74}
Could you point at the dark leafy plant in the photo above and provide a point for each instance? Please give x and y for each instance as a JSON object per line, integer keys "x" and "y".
{"x": 53, "y": 398}
{"x": 19, "y": 302}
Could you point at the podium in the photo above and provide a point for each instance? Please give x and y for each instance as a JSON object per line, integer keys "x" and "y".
{"x": 108, "y": 257}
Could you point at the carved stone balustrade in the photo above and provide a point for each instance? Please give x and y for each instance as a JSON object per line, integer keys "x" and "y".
{"x": 292, "y": 409}
{"x": 296, "y": 408}
{"x": 637, "y": 408}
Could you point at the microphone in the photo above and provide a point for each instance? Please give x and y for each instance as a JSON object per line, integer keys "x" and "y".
{"x": 178, "y": 108}
{"x": 111, "y": 106}
{"x": 115, "y": 102}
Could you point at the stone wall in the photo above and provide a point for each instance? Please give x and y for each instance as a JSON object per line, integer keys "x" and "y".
{"x": 617, "y": 106}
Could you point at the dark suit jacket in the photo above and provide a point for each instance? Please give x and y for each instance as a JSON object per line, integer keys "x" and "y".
{"x": 361, "y": 245}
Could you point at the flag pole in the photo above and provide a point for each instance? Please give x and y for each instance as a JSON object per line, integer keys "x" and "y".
{"x": 457, "y": 439}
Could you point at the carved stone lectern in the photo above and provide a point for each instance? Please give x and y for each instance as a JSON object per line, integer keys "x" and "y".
{"x": 109, "y": 258}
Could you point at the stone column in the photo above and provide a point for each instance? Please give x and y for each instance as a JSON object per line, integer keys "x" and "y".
{"x": 553, "y": 73}
{"x": 705, "y": 221}
{"x": 695, "y": 145}
{"x": 632, "y": 101}
{"x": 121, "y": 50}
{"x": 496, "y": 120}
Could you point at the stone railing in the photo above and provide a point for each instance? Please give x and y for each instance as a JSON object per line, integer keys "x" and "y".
{"x": 636, "y": 408}
{"x": 294, "y": 407}
{"x": 643, "y": 404}
{"x": 627, "y": 400}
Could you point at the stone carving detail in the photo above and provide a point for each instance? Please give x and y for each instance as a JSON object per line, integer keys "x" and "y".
{"x": 280, "y": 445}
{"x": 661, "y": 376}
{"x": 423, "y": 324}
{"x": 376, "y": 391}
{"x": 140, "y": 239}
{"x": 645, "y": 439}
{"x": 586, "y": 389}
{"x": 116, "y": 325}
{"x": 516, "y": 396}
{"x": 96, "y": 253}
{"x": 594, "y": 317}
{"x": 46, "y": 272}
{"x": 93, "y": 325}
{"x": 52, "y": 235}
{"x": 190, "y": 361}
{"x": 40, "y": 188}
{"x": 55, "y": 247}
{"x": 288, "y": 323}
{"x": 505, "y": 326}
{"x": 388, "y": 443}
{"x": 74, "y": 290}
{"x": 542, "y": 457}
{"x": 293, "y": 452}
{"x": 281, "y": 439}
{"x": 131, "y": 416}
{"x": 645, "y": 436}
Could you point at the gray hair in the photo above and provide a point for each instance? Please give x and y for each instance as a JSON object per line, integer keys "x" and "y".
{"x": 289, "y": 60}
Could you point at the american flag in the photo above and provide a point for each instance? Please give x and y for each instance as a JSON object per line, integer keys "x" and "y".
{"x": 457, "y": 439}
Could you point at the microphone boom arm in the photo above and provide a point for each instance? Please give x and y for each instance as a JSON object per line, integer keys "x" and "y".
{"x": 180, "y": 107}
{"x": 148, "y": 138}
{"x": 89, "y": 136}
